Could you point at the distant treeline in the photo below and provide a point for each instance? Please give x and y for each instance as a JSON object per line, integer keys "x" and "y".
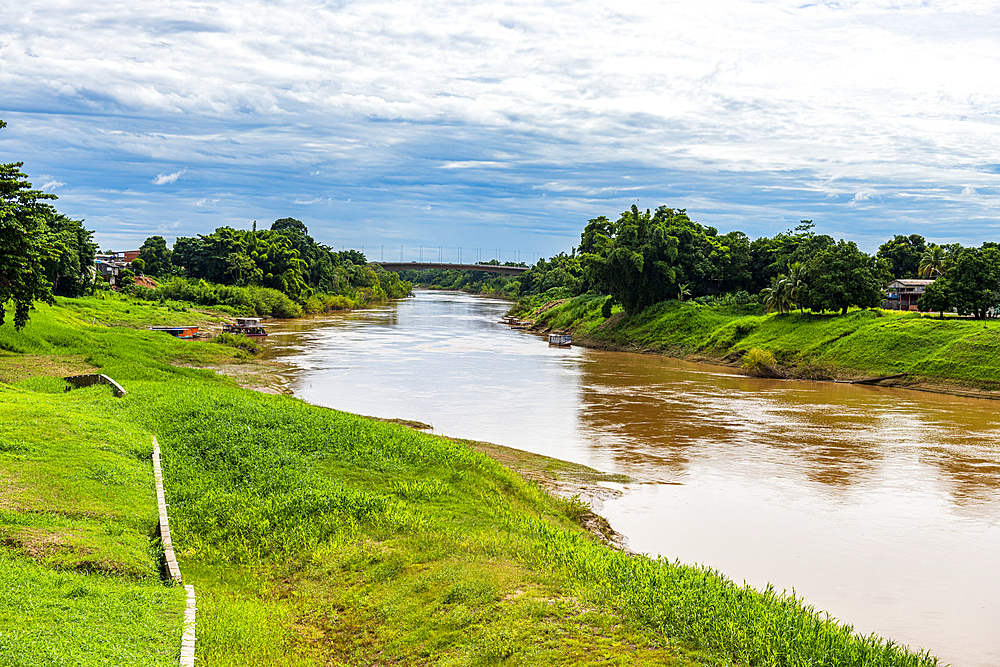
{"x": 241, "y": 268}
{"x": 648, "y": 257}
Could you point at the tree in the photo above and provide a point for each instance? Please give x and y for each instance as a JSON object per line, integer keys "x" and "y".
{"x": 71, "y": 269}
{"x": 138, "y": 266}
{"x": 770, "y": 257}
{"x": 776, "y": 296}
{"x": 903, "y": 254}
{"x": 841, "y": 276}
{"x": 156, "y": 255}
{"x": 25, "y": 244}
{"x": 633, "y": 258}
{"x": 935, "y": 297}
{"x": 933, "y": 261}
{"x": 973, "y": 281}
{"x": 796, "y": 284}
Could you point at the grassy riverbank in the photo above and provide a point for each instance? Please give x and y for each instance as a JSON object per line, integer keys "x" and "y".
{"x": 320, "y": 537}
{"x": 950, "y": 354}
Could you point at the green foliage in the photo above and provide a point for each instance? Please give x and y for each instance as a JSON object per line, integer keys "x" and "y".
{"x": 284, "y": 258}
{"x": 973, "y": 281}
{"x": 903, "y": 253}
{"x": 759, "y": 362}
{"x": 246, "y": 301}
{"x": 934, "y": 261}
{"x": 633, "y": 259}
{"x": 71, "y": 268}
{"x": 79, "y": 571}
{"x": 841, "y": 276}
{"x": 862, "y": 343}
{"x": 770, "y": 257}
{"x": 238, "y": 341}
{"x": 25, "y": 245}
{"x": 156, "y": 257}
{"x": 935, "y": 297}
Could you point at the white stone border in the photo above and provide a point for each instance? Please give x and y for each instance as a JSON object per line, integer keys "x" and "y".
{"x": 161, "y": 502}
{"x": 187, "y": 639}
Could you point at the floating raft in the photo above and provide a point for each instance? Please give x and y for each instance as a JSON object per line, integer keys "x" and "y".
{"x": 177, "y": 332}
{"x": 562, "y": 340}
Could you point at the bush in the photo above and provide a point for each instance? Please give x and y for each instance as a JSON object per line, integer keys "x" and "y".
{"x": 246, "y": 301}
{"x": 238, "y": 341}
{"x": 760, "y": 363}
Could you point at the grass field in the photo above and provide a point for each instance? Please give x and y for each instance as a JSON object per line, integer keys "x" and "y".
{"x": 863, "y": 343}
{"x": 320, "y": 537}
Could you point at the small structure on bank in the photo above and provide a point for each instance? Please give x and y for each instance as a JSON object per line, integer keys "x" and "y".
{"x": 246, "y": 326}
{"x": 562, "y": 340}
{"x": 902, "y": 293}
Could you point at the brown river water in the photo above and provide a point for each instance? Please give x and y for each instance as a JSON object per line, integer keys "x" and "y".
{"x": 879, "y": 506}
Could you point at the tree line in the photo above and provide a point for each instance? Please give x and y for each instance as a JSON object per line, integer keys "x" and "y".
{"x": 285, "y": 258}
{"x": 645, "y": 257}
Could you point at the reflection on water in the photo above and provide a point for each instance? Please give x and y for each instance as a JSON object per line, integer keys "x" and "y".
{"x": 881, "y": 506}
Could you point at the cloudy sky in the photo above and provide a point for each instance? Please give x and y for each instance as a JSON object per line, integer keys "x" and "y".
{"x": 506, "y": 124}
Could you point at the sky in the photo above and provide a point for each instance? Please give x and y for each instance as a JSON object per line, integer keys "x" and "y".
{"x": 506, "y": 125}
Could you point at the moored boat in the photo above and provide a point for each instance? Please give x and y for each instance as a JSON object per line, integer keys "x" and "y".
{"x": 178, "y": 332}
{"x": 246, "y": 326}
{"x": 562, "y": 340}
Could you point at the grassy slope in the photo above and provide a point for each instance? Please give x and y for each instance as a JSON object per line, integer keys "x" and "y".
{"x": 79, "y": 571}
{"x": 320, "y": 537}
{"x": 862, "y": 343}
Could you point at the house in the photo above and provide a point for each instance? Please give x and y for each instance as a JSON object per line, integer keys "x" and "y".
{"x": 902, "y": 293}
{"x": 110, "y": 265}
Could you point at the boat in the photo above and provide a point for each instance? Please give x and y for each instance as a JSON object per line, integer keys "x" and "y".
{"x": 562, "y": 340}
{"x": 178, "y": 332}
{"x": 246, "y": 326}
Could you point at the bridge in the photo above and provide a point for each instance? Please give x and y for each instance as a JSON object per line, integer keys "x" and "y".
{"x": 420, "y": 266}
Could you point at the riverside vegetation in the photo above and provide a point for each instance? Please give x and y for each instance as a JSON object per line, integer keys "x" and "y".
{"x": 319, "y": 537}
{"x": 948, "y": 354}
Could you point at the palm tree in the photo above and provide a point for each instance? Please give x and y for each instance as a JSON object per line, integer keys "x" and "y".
{"x": 778, "y": 295}
{"x": 934, "y": 260}
{"x": 683, "y": 291}
{"x": 796, "y": 283}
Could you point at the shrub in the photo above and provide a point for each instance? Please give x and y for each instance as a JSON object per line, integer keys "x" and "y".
{"x": 238, "y": 341}
{"x": 760, "y": 363}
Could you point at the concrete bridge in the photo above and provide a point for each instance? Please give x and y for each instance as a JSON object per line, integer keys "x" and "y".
{"x": 419, "y": 266}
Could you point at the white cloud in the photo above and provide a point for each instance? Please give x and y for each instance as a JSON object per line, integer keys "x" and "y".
{"x": 206, "y": 203}
{"x": 51, "y": 185}
{"x": 766, "y": 106}
{"x": 863, "y": 195}
{"x": 165, "y": 179}
{"x": 969, "y": 191}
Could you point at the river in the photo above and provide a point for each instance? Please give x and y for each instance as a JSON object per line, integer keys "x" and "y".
{"x": 879, "y": 506}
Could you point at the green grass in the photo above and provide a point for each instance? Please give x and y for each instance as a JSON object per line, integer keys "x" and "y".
{"x": 862, "y": 343}
{"x": 320, "y": 537}
{"x": 79, "y": 560}
{"x": 53, "y": 618}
